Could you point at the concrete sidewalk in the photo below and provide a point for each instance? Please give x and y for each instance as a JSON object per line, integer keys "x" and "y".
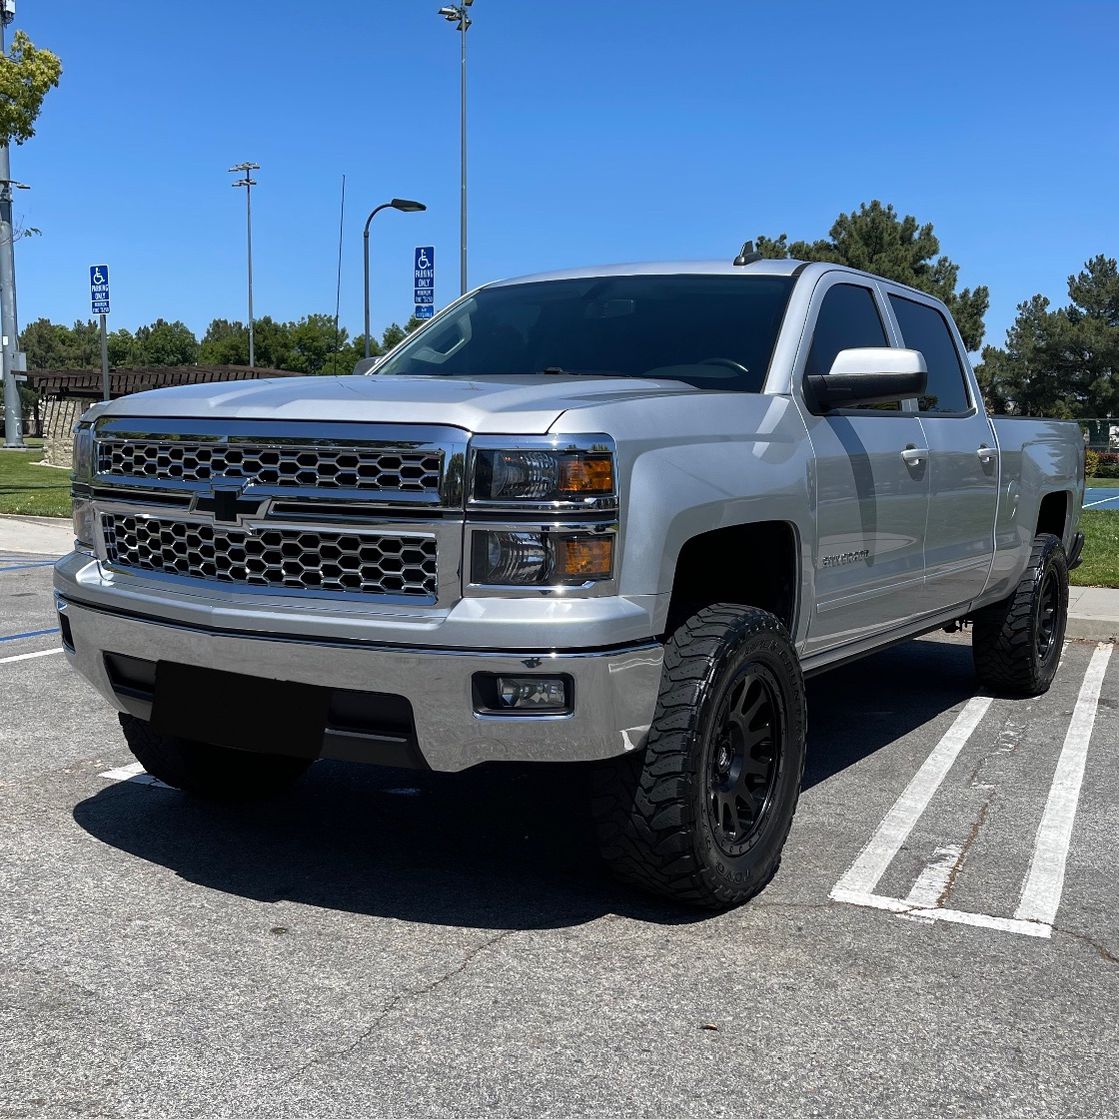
{"x": 1093, "y": 611}
{"x": 46, "y": 536}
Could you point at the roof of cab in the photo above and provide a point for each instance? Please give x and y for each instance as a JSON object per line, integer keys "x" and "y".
{"x": 664, "y": 268}
{"x": 781, "y": 267}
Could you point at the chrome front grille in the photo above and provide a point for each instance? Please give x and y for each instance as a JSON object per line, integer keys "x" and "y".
{"x": 372, "y": 468}
{"x": 282, "y": 557}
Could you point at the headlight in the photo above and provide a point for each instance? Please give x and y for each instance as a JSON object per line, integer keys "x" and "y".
{"x": 83, "y": 453}
{"x": 580, "y": 477}
{"x": 541, "y": 559}
{"x": 83, "y": 523}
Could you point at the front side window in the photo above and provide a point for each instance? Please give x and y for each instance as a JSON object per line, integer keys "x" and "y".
{"x": 713, "y": 332}
{"x": 924, "y": 328}
{"x": 848, "y": 320}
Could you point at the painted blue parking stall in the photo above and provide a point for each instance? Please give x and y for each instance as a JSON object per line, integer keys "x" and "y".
{"x": 1101, "y": 498}
{"x": 26, "y": 566}
{"x": 29, "y": 633}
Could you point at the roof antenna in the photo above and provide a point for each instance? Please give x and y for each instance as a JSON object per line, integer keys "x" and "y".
{"x": 747, "y": 256}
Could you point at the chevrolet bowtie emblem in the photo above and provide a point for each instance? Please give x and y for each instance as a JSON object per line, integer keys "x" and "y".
{"x": 226, "y": 502}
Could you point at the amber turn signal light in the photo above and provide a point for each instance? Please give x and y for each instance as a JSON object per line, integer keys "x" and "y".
{"x": 583, "y": 557}
{"x": 584, "y": 474}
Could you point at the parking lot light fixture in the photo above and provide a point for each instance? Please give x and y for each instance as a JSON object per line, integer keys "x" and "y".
{"x": 458, "y": 15}
{"x": 248, "y": 182}
{"x": 405, "y": 206}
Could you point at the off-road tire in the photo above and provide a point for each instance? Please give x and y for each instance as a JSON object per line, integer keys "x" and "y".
{"x": 213, "y": 772}
{"x": 653, "y": 809}
{"x": 1016, "y": 643}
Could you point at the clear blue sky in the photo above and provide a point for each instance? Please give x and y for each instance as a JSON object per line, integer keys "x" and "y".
{"x": 600, "y": 131}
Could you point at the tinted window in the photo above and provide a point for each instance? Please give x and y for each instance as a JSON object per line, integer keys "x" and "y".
{"x": 923, "y": 328}
{"x": 848, "y": 319}
{"x": 715, "y": 332}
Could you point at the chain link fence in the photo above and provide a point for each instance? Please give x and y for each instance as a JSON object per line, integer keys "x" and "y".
{"x": 1101, "y": 433}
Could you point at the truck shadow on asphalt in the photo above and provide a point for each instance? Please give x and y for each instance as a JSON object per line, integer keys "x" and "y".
{"x": 506, "y": 847}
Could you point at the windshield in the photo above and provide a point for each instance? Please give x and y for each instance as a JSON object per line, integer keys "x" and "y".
{"x": 714, "y": 332}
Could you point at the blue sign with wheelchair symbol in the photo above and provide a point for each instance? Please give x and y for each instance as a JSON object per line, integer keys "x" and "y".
{"x": 99, "y": 289}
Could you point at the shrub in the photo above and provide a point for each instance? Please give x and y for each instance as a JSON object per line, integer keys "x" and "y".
{"x": 1091, "y": 463}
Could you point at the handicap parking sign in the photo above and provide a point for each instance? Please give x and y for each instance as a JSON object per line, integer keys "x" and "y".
{"x": 424, "y": 282}
{"x": 99, "y": 289}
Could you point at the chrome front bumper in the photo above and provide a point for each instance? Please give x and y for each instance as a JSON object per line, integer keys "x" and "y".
{"x": 615, "y": 690}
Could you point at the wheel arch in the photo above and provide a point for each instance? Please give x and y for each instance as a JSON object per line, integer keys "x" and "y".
{"x": 755, "y": 563}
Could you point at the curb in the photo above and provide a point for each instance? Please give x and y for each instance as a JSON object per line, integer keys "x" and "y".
{"x": 1081, "y": 627}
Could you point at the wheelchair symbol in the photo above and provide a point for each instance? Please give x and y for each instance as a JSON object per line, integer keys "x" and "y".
{"x": 422, "y": 260}
{"x": 98, "y": 277}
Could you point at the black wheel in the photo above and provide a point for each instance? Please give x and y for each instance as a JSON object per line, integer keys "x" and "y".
{"x": 214, "y": 772}
{"x": 702, "y": 813}
{"x": 1016, "y": 644}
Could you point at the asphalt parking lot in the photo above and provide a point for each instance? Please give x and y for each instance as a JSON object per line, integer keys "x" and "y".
{"x": 941, "y": 938}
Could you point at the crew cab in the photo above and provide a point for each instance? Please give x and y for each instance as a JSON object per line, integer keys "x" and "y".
{"x": 610, "y": 516}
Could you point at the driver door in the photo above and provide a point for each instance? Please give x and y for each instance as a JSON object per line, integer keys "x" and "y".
{"x": 871, "y": 483}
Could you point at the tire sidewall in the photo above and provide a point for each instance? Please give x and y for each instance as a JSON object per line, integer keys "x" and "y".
{"x": 771, "y": 651}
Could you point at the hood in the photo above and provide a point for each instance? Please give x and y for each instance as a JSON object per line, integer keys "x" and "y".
{"x": 527, "y": 405}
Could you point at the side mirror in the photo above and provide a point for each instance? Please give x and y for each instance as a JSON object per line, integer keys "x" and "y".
{"x": 873, "y": 375}
{"x": 364, "y": 366}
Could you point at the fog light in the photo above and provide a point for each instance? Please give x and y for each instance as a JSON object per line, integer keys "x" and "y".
{"x": 523, "y": 695}
{"x": 535, "y": 692}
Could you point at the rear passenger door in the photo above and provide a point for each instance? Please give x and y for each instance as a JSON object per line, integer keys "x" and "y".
{"x": 871, "y": 481}
{"x": 963, "y": 460}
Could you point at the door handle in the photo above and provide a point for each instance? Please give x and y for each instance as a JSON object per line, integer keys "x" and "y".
{"x": 986, "y": 454}
{"x": 914, "y": 456}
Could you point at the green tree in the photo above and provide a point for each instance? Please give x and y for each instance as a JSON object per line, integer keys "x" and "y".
{"x": 312, "y": 341}
{"x": 46, "y": 344}
{"x": 1062, "y": 362}
{"x": 84, "y": 345}
{"x": 27, "y": 73}
{"x": 225, "y": 343}
{"x": 876, "y": 240}
{"x": 122, "y": 349}
{"x": 165, "y": 343}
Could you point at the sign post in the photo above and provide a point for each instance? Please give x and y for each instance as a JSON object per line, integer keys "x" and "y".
{"x": 425, "y": 282}
{"x": 99, "y": 302}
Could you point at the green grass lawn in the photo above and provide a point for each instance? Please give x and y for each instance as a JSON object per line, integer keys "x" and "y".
{"x": 1104, "y": 483}
{"x": 42, "y": 492}
{"x": 36, "y": 491}
{"x": 1101, "y": 550}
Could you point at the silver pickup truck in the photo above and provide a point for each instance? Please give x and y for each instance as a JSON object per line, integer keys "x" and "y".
{"x": 610, "y": 516}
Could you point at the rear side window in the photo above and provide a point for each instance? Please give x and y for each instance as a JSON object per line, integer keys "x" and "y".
{"x": 848, "y": 320}
{"x": 924, "y": 328}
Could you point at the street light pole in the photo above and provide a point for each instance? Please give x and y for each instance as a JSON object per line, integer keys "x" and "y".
{"x": 406, "y": 206}
{"x": 458, "y": 14}
{"x": 13, "y": 413}
{"x": 248, "y": 182}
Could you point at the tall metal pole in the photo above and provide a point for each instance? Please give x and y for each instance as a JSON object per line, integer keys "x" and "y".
{"x": 365, "y": 256}
{"x": 405, "y": 206}
{"x": 105, "y": 390}
{"x": 460, "y": 15}
{"x": 464, "y": 24}
{"x": 248, "y": 182}
{"x": 13, "y": 413}
{"x": 249, "y": 227}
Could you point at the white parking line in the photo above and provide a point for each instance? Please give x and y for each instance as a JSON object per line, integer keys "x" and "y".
{"x": 877, "y": 855}
{"x": 29, "y": 656}
{"x": 1041, "y": 894}
{"x": 134, "y": 773}
{"x": 1041, "y": 891}
{"x": 932, "y": 883}
{"x": 1104, "y": 501}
